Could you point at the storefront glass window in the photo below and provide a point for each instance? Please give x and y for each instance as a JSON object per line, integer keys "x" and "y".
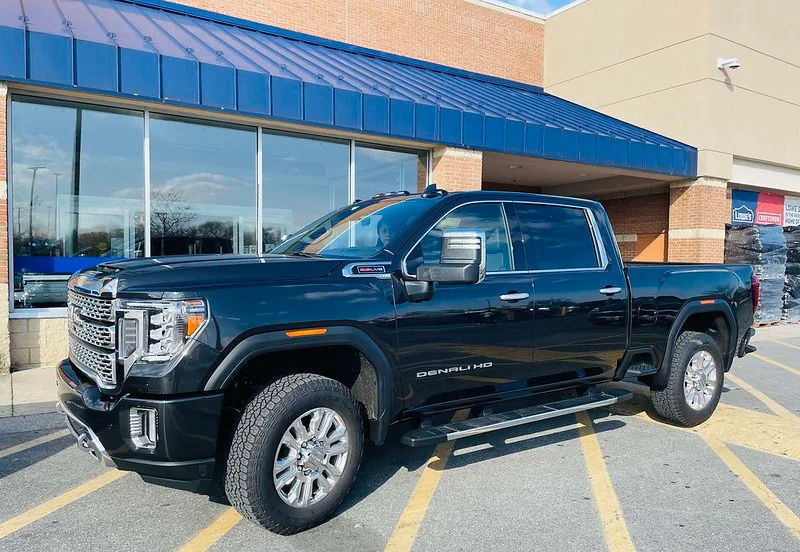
{"x": 203, "y": 187}
{"x": 304, "y": 178}
{"x": 380, "y": 169}
{"x": 78, "y": 194}
{"x": 79, "y": 185}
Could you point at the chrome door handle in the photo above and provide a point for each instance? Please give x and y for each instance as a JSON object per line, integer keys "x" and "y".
{"x": 610, "y": 290}
{"x": 514, "y": 296}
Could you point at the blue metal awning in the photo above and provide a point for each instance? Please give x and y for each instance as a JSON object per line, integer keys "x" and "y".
{"x": 166, "y": 52}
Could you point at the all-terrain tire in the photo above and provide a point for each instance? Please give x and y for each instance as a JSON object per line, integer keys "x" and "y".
{"x": 670, "y": 401}
{"x": 249, "y": 482}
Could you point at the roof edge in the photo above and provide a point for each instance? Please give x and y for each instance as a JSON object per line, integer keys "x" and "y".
{"x": 181, "y": 9}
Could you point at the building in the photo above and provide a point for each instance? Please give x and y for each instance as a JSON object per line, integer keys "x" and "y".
{"x": 721, "y": 75}
{"x": 142, "y": 127}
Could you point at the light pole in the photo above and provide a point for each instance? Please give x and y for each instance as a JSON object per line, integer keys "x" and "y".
{"x": 35, "y": 169}
{"x": 55, "y": 222}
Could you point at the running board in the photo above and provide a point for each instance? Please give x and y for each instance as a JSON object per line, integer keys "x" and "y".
{"x": 426, "y": 436}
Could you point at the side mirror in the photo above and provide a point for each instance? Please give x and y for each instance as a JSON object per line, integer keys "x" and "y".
{"x": 463, "y": 259}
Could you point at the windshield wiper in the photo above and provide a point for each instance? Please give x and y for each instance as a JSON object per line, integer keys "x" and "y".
{"x": 306, "y": 255}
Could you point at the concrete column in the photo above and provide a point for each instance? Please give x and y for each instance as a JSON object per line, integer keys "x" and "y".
{"x": 697, "y": 217}
{"x": 5, "y": 357}
{"x": 456, "y": 169}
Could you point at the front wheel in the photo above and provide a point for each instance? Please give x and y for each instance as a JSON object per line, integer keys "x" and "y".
{"x": 295, "y": 453}
{"x": 694, "y": 387}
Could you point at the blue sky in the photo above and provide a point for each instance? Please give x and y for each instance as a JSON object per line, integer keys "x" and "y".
{"x": 539, "y": 6}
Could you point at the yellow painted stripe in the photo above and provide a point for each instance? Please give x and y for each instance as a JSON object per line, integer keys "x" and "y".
{"x": 408, "y": 526}
{"x": 787, "y": 344}
{"x": 35, "y": 514}
{"x": 756, "y": 486}
{"x": 33, "y": 443}
{"x": 206, "y": 538}
{"x": 772, "y": 405}
{"x": 762, "y": 358}
{"x": 614, "y": 527}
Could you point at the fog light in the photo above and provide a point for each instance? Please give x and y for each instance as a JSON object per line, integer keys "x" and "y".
{"x": 144, "y": 424}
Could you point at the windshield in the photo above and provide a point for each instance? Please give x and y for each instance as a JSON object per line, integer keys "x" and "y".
{"x": 357, "y": 231}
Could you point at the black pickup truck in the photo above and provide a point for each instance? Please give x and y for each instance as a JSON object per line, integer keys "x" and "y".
{"x": 269, "y": 371}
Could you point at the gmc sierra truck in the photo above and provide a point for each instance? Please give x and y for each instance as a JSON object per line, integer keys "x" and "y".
{"x": 268, "y": 372}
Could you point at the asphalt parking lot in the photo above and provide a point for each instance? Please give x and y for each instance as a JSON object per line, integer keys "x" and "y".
{"x": 610, "y": 481}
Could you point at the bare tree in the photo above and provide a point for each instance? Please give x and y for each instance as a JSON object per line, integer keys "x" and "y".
{"x": 172, "y": 215}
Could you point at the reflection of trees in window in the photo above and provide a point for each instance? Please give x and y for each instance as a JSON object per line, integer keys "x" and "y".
{"x": 172, "y": 215}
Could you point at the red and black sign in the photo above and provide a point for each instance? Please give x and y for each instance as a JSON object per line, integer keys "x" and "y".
{"x": 369, "y": 269}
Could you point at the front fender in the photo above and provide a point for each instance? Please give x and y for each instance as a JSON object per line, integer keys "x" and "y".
{"x": 225, "y": 373}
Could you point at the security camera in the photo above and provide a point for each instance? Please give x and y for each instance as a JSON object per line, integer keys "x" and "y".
{"x": 728, "y": 63}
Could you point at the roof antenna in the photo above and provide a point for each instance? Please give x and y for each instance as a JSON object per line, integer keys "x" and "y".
{"x": 432, "y": 191}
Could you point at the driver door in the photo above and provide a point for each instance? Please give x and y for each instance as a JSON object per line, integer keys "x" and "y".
{"x": 468, "y": 340}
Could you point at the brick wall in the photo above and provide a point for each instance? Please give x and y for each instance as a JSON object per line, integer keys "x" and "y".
{"x": 37, "y": 341}
{"x": 637, "y": 214}
{"x": 456, "y": 169}
{"x": 698, "y": 211}
{"x": 456, "y": 33}
{"x": 5, "y": 359}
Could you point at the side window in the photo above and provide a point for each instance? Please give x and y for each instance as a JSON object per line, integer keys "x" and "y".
{"x": 488, "y": 217}
{"x": 557, "y": 238}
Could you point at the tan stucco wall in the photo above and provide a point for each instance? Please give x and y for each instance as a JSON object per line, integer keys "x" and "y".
{"x": 655, "y": 64}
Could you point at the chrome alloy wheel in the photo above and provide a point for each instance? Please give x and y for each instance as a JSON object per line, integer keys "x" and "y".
{"x": 311, "y": 457}
{"x": 700, "y": 380}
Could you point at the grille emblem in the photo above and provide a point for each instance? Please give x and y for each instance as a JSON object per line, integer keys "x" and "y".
{"x": 74, "y": 315}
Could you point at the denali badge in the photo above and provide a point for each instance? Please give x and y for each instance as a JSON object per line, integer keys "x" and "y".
{"x": 452, "y": 369}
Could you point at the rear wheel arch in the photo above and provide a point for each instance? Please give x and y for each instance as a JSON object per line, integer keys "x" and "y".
{"x": 362, "y": 366}
{"x": 715, "y": 319}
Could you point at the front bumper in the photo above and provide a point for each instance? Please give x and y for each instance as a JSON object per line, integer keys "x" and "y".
{"x": 187, "y": 431}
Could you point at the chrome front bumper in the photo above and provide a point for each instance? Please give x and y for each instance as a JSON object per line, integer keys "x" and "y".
{"x": 87, "y": 441}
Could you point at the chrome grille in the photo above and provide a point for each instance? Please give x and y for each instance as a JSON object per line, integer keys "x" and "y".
{"x": 92, "y": 336}
{"x": 92, "y": 307}
{"x": 101, "y": 362}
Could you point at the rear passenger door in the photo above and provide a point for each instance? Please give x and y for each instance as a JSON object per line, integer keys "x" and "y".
{"x": 580, "y": 311}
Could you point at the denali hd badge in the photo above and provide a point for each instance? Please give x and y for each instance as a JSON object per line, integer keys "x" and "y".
{"x": 452, "y": 369}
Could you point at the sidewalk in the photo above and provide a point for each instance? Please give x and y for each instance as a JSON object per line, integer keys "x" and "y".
{"x": 33, "y": 391}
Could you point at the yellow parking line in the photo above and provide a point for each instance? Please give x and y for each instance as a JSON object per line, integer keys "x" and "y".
{"x": 33, "y": 443}
{"x": 614, "y": 527}
{"x": 772, "y": 405}
{"x": 37, "y": 513}
{"x": 407, "y": 527}
{"x": 756, "y": 486}
{"x": 206, "y": 538}
{"x": 794, "y": 371}
{"x": 787, "y": 344}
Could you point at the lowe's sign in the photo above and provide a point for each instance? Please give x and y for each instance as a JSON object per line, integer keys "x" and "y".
{"x": 761, "y": 208}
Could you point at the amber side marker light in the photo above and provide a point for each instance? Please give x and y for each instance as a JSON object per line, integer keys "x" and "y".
{"x": 708, "y": 301}
{"x": 306, "y": 333}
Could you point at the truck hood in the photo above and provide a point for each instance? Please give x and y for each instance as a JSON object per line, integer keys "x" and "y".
{"x": 187, "y": 272}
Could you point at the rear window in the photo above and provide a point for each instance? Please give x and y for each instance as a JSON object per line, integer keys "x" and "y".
{"x": 557, "y": 238}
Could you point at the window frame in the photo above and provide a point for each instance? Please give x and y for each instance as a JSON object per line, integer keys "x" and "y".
{"x": 601, "y": 254}
{"x": 503, "y": 209}
{"x": 192, "y": 115}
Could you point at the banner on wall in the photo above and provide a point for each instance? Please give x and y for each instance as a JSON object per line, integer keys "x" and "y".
{"x": 762, "y": 208}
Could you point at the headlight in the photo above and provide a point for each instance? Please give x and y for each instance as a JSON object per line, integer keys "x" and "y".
{"x": 156, "y": 330}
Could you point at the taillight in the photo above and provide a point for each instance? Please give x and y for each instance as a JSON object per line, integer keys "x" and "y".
{"x": 756, "y": 287}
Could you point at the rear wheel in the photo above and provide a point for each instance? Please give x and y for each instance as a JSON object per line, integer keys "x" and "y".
{"x": 696, "y": 375}
{"x": 295, "y": 453}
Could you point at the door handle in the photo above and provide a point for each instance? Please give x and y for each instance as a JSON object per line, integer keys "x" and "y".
{"x": 610, "y": 290}
{"x": 511, "y": 297}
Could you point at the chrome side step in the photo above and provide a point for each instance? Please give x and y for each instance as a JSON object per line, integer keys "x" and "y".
{"x": 426, "y": 436}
